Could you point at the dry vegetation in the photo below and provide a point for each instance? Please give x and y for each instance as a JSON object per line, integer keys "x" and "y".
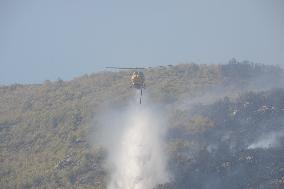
{"x": 44, "y": 128}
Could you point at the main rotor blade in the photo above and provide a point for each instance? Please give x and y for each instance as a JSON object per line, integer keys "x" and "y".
{"x": 121, "y": 68}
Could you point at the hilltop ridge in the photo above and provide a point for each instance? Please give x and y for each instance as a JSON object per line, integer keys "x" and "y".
{"x": 44, "y": 127}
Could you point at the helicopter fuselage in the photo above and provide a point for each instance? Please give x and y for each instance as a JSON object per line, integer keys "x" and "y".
{"x": 138, "y": 80}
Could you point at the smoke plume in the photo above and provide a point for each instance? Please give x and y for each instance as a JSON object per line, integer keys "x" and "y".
{"x": 271, "y": 140}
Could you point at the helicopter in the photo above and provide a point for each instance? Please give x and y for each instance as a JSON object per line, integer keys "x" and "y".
{"x": 137, "y": 79}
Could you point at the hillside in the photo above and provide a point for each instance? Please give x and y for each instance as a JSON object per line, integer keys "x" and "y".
{"x": 217, "y": 114}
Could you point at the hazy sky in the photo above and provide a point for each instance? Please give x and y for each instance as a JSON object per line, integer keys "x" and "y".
{"x": 48, "y": 39}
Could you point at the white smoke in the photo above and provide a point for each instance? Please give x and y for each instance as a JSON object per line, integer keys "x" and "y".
{"x": 270, "y": 140}
{"x": 133, "y": 139}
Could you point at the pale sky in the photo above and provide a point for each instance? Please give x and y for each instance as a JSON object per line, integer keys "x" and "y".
{"x": 44, "y": 40}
